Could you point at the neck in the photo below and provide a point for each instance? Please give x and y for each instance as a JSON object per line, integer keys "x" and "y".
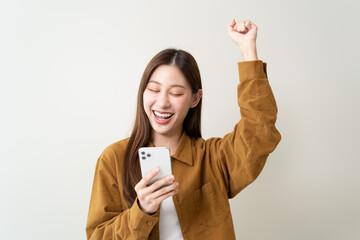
{"x": 170, "y": 142}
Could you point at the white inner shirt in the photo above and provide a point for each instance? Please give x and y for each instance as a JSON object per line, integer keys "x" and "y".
{"x": 169, "y": 222}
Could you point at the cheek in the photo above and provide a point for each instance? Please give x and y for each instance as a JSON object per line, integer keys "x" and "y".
{"x": 183, "y": 105}
{"x": 147, "y": 101}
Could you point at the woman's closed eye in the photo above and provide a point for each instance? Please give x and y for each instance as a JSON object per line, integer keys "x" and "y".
{"x": 176, "y": 94}
{"x": 153, "y": 90}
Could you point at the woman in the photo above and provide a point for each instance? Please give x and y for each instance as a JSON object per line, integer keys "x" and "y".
{"x": 206, "y": 173}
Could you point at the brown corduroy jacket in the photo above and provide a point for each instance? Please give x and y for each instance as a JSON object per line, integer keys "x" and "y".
{"x": 209, "y": 172}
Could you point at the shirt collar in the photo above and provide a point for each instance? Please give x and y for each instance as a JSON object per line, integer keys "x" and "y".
{"x": 183, "y": 151}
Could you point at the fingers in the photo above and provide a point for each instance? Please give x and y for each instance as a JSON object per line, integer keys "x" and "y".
{"x": 151, "y": 196}
{"x": 159, "y": 183}
{"x": 230, "y": 26}
{"x": 240, "y": 26}
{"x": 147, "y": 178}
{"x": 232, "y": 23}
{"x": 157, "y": 197}
{"x": 165, "y": 196}
{"x": 172, "y": 188}
{"x": 249, "y": 25}
{"x": 142, "y": 189}
{"x": 155, "y": 186}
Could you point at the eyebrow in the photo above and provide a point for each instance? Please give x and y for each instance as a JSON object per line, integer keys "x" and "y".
{"x": 174, "y": 85}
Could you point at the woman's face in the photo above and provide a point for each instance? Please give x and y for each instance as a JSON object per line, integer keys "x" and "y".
{"x": 167, "y": 100}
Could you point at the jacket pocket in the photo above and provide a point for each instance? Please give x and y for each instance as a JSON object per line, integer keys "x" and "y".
{"x": 211, "y": 205}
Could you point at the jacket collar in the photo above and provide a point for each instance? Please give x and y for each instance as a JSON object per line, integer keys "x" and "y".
{"x": 183, "y": 151}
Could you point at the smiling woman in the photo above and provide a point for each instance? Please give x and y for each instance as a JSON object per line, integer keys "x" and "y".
{"x": 170, "y": 86}
{"x": 167, "y": 101}
{"x": 206, "y": 173}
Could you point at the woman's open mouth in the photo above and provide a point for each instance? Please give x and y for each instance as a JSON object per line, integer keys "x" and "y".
{"x": 162, "y": 117}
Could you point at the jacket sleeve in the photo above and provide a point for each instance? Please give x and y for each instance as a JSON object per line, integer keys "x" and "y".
{"x": 107, "y": 218}
{"x": 239, "y": 156}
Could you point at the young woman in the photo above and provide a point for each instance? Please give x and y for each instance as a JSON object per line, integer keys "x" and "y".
{"x": 206, "y": 173}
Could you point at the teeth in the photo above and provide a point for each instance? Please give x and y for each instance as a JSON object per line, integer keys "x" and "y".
{"x": 162, "y": 115}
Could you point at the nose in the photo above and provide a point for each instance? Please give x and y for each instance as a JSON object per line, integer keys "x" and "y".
{"x": 163, "y": 100}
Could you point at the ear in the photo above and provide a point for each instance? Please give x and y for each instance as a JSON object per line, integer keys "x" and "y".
{"x": 196, "y": 98}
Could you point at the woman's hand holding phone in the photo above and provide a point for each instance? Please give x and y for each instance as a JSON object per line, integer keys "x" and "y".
{"x": 151, "y": 196}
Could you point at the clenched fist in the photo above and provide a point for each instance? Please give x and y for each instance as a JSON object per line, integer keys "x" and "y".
{"x": 244, "y": 34}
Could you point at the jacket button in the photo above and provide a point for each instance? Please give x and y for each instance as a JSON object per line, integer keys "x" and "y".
{"x": 149, "y": 223}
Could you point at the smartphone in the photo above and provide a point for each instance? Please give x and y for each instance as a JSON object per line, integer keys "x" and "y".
{"x": 152, "y": 157}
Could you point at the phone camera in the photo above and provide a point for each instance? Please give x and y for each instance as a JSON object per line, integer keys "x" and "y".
{"x": 148, "y": 155}
{"x": 143, "y": 153}
{"x": 143, "y": 157}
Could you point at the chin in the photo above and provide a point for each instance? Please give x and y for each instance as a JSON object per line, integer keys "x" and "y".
{"x": 164, "y": 130}
{"x": 161, "y": 131}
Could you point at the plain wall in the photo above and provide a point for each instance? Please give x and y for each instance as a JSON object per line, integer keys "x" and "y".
{"x": 69, "y": 73}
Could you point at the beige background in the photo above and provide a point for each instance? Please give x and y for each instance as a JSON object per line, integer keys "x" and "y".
{"x": 70, "y": 70}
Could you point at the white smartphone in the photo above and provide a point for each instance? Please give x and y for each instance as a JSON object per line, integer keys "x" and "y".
{"x": 152, "y": 157}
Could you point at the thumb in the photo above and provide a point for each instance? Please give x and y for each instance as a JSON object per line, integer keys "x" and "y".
{"x": 230, "y": 26}
{"x": 250, "y": 25}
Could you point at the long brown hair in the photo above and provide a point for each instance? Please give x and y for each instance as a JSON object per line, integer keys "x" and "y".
{"x": 140, "y": 135}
